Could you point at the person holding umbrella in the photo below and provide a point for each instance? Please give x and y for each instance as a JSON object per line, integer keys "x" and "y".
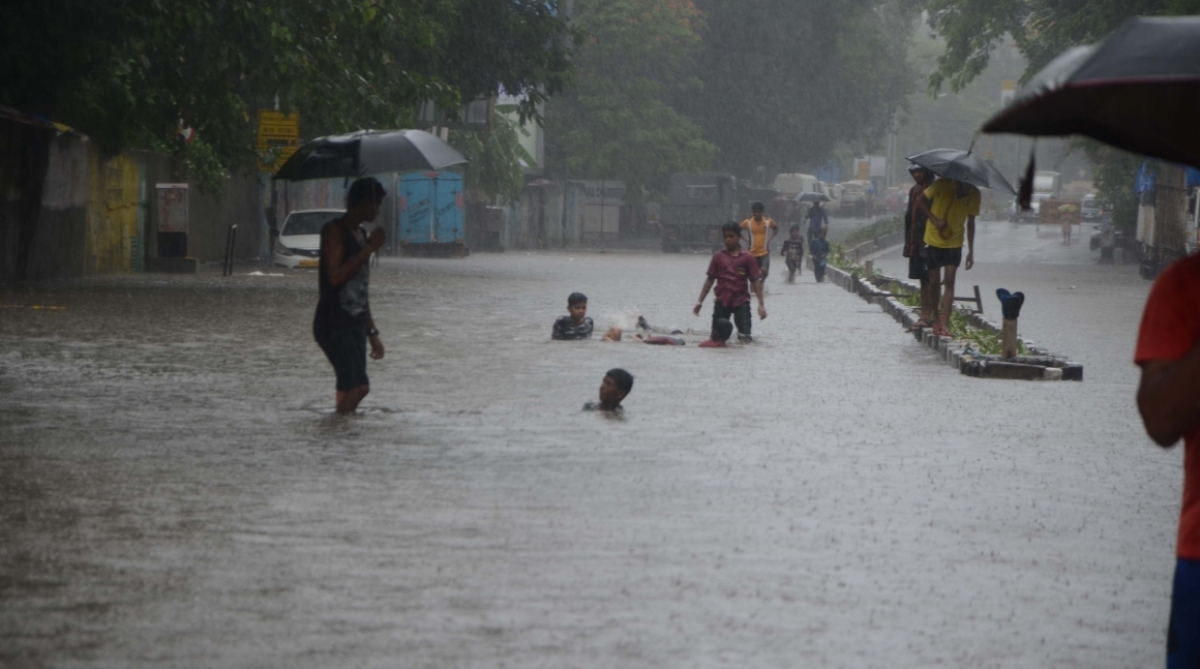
{"x": 915, "y": 222}
{"x": 342, "y": 324}
{"x": 951, "y": 207}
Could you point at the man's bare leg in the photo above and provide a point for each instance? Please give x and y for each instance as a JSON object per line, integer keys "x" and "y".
{"x": 934, "y": 297}
{"x": 947, "y": 296}
{"x": 926, "y": 301}
{"x": 347, "y": 401}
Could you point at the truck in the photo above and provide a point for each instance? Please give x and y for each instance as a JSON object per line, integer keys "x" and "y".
{"x": 696, "y": 207}
{"x": 431, "y": 215}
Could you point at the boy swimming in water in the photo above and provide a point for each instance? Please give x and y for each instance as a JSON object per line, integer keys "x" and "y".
{"x": 613, "y": 389}
{"x": 577, "y": 324}
{"x": 722, "y": 331}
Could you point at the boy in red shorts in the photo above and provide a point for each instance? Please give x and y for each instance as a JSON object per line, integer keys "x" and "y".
{"x": 1168, "y": 352}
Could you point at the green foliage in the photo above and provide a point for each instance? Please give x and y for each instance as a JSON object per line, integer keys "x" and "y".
{"x": 615, "y": 122}
{"x": 1115, "y": 174}
{"x": 495, "y": 156}
{"x": 784, "y": 82}
{"x": 881, "y": 227}
{"x": 127, "y": 72}
{"x": 1041, "y": 29}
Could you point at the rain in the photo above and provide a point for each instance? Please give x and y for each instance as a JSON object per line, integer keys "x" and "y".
{"x": 599, "y": 333}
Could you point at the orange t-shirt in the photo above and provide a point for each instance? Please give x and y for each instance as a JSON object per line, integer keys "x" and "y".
{"x": 758, "y": 234}
{"x": 1170, "y": 328}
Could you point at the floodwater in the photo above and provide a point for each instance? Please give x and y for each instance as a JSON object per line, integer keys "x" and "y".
{"x": 176, "y": 492}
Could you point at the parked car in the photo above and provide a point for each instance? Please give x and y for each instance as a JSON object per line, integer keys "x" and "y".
{"x": 299, "y": 242}
{"x": 1091, "y": 211}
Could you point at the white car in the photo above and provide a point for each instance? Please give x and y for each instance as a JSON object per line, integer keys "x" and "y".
{"x": 299, "y": 242}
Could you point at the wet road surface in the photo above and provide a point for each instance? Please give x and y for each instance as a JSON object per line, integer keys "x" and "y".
{"x": 175, "y": 491}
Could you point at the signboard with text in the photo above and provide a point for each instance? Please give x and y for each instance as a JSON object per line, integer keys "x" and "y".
{"x": 280, "y": 132}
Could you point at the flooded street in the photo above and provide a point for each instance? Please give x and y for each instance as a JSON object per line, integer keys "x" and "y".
{"x": 175, "y": 490}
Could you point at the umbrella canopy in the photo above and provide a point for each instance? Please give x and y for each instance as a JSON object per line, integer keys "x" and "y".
{"x": 365, "y": 152}
{"x": 962, "y": 166}
{"x": 811, "y": 197}
{"x": 1138, "y": 90}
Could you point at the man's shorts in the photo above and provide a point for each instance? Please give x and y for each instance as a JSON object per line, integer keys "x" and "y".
{"x": 937, "y": 257}
{"x": 346, "y": 348}
{"x": 1183, "y": 630}
{"x": 917, "y": 269}
{"x": 764, "y": 263}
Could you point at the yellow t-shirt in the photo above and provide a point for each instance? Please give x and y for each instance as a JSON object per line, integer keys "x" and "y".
{"x": 951, "y": 209}
{"x": 758, "y": 234}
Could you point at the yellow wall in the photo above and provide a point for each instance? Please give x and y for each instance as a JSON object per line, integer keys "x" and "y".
{"x": 112, "y": 212}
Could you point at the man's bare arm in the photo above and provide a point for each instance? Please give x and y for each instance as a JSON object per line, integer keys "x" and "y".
{"x": 970, "y": 242}
{"x": 923, "y": 205}
{"x": 340, "y": 268}
{"x": 1169, "y": 397}
{"x": 708, "y": 283}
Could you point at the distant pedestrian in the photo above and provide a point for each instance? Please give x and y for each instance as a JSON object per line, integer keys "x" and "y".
{"x": 817, "y": 219}
{"x": 343, "y": 325}
{"x": 613, "y": 390}
{"x": 951, "y": 207}
{"x": 760, "y": 230}
{"x": 730, "y": 268}
{"x": 915, "y": 221}
{"x": 819, "y": 250}
{"x": 793, "y": 253}
{"x": 1168, "y": 351}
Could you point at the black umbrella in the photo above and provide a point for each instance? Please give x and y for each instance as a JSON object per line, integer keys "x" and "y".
{"x": 962, "y": 166}
{"x": 1138, "y": 89}
{"x": 365, "y": 152}
{"x": 811, "y": 197}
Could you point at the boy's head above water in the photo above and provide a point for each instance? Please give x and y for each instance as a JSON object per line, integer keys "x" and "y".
{"x": 722, "y": 330}
{"x": 731, "y": 233}
{"x": 616, "y": 385}
{"x": 577, "y": 306}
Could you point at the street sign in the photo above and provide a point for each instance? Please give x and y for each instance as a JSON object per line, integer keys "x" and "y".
{"x": 279, "y": 131}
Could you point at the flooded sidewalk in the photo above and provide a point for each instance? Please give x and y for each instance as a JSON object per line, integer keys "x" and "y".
{"x": 177, "y": 492}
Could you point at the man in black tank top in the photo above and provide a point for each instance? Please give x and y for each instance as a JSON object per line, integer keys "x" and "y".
{"x": 343, "y": 325}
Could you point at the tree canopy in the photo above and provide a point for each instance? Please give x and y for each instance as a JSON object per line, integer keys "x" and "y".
{"x": 127, "y": 72}
{"x": 616, "y": 121}
{"x": 1041, "y": 29}
{"x": 785, "y": 81}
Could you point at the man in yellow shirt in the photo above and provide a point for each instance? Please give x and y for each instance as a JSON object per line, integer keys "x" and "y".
{"x": 757, "y": 226}
{"x": 951, "y": 207}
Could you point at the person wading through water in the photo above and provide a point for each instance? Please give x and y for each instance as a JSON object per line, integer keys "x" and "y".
{"x": 343, "y": 325}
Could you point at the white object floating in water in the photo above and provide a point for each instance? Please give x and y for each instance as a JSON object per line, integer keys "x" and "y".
{"x": 257, "y": 273}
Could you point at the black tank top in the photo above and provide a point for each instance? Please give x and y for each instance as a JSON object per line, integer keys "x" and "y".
{"x": 330, "y": 314}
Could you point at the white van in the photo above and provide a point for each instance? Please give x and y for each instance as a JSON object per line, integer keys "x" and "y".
{"x": 791, "y": 185}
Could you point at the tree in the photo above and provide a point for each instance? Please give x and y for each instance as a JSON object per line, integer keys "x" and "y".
{"x": 616, "y": 122}
{"x": 495, "y": 156}
{"x": 127, "y": 72}
{"x": 785, "y": 81}
{"x": 1042, "y": 29}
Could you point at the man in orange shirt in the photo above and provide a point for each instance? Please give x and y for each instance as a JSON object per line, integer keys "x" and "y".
{"x": 1168, "y": 351}
{"x": 757, "y": 226}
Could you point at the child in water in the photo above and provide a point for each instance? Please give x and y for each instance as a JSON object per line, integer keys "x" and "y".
{"x": 721, "y": 332}
{"x": 577, "y": 324}
{"x": 616, "y": 385}
{"x": 793, "y": 253}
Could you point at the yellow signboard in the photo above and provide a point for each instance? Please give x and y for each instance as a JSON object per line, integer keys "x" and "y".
{"x": 278, "y": 131}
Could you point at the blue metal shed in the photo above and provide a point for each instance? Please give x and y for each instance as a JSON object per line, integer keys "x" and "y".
{"x": 431, "y": 214}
